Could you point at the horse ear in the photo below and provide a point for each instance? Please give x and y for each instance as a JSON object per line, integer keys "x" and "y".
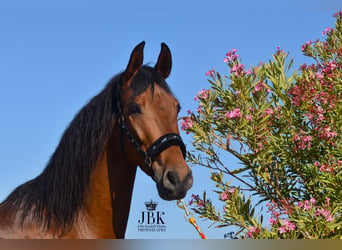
{"x": 164, "y": 63}
{"x": 135, "y": 62}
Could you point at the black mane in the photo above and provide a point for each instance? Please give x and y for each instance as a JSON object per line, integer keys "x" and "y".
{"x": 59, "y": 192}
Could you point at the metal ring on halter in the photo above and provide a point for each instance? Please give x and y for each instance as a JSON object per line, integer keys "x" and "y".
{"x": 148, "y": 161}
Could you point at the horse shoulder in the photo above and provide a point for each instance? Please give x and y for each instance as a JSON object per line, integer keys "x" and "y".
{"x": 12, "y": 228}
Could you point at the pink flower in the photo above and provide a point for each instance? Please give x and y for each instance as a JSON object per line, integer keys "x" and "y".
{"x": 269, "y": 111}
{"x": 288, "y": 225}
{"x": 271, "y": 221}
{"x": 203, "y": 94}
{"x": 328, "y": 199}
{"x": 313, "y": 200}
{"x": 210, "y": 72}
{"x": 296, "y": 137}
{"x": 338, "y": 14}
{"x": 303, "y": 66}
{"x": 234, "y": 114}
{"x": 303, "y": 141}
{"x": 286, "y": 222}
{"x": 309, "y": 116}
{"x": 306, "y": 205}
{"x": 326, "y": 214}
{"x": 318, "y": 211}
{"x": 231, "y": 56}
{"x": 237, "y": 69}
{"x": 258, "y": 87}
{"x": 248, "y": 117}
{"x": 186, "y": 124}
{"x": 329, "y": 218}
{"x": 224, "y": 196}
{"x": 300, "y": 204}
{"x": 309, "y": 43}
{"x": 307, "y": 138}
{"x": 327, "y": 31}
{"x": 251, "y": 230}
{"x": 291, "y": 226}
{"x": 325, "y": 168}
{"x": 330, "y": 67}
{"x": 282, "y": 229}
{"x": 279, "y": 50}
{"x": 319, "y": 75}
{"x": 328, "y": 133}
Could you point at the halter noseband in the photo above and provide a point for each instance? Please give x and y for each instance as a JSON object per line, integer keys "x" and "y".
{"x": 154, "y": 150}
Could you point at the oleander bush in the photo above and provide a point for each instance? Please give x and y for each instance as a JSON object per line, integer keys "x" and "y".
{"x": 285, "y": 128}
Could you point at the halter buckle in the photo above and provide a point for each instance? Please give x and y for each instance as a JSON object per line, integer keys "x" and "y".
{"x": 148, "y": 161}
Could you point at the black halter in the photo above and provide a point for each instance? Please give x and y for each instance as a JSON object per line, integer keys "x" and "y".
{"x": 151, "y": 154}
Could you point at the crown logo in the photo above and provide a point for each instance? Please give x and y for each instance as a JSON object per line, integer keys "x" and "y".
{"x": 151, "y": 205}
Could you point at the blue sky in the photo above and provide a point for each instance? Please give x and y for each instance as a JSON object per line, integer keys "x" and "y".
{"x": 56, "y": 55}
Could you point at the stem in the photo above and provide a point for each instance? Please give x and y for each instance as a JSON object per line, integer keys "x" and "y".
{"x": 226, "y": 170}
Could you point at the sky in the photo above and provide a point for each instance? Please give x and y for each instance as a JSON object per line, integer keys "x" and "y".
{"x": 56, "y": 55}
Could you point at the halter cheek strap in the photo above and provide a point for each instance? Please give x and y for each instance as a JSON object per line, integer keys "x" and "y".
{"x": 155, "y": 149}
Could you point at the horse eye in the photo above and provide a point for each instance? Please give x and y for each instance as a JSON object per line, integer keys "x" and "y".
{"x": 134, "y": 109}
{"x": 179, "y": 108}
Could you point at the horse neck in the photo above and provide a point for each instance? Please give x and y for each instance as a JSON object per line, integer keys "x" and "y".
{"x": 110, "y": 193}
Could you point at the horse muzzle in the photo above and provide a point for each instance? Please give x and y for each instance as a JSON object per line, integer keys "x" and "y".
{"x": 171, "y": 186}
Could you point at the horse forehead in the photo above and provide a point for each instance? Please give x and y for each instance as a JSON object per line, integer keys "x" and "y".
{"x": 163, "y": 96}
{"x": 157, "y": 97}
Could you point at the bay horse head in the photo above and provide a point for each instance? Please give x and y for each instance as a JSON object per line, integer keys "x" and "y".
{"x": 147, "y": 115}
{"x": 85, "y": 190}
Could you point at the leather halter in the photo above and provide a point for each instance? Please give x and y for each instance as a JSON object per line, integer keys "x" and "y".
{"x": 154, "y": 150}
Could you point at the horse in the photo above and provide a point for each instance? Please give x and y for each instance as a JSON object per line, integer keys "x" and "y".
{"x": 85, "y": 189}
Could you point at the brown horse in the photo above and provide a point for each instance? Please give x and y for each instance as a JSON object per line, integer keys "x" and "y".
{"x": 86, "y": 188}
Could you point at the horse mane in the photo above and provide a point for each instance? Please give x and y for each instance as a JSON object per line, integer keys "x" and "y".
{"x": 54, "y": 197}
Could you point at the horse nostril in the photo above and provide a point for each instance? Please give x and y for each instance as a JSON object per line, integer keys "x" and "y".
{"x": 174, "y": 186}
{"x": 171, "y": 176}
